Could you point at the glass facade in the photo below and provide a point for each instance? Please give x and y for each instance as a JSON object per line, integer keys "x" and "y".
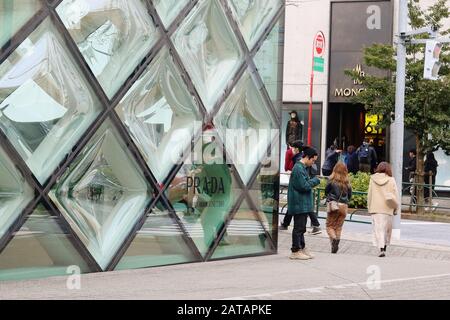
{"x": 124, "y": 147}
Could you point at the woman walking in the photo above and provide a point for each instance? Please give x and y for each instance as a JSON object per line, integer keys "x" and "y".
{"x": 338, "y": 192}
{"x": 382, "y": 202}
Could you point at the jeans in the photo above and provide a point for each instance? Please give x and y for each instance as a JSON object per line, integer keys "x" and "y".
{"x": 298, "y": 233}
{"x": 314, "y": 220}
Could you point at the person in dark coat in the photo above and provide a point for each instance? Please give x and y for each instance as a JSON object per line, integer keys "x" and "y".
{"x": 430, "y": 171}
{"x": 294, "y": 129}
{"x": 352, "y": 160}
{"x": 301, "y": 202}
{"x": 331, "y": 158}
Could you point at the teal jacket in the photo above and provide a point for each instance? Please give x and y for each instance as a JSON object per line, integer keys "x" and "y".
{"x": 300, "y": 191}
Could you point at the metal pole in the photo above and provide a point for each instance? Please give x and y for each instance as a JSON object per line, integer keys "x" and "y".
{"x": 311, "y": 100}
{"x": 398, "y": 126}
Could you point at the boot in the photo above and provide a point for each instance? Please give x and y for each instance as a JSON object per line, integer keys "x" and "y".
{"x": 334, "y": 246}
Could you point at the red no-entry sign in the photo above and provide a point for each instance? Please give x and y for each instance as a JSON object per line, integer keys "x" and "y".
{"x": 319, "y": 44}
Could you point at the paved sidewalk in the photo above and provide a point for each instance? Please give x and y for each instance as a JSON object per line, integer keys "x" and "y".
{"x": 355, "y": 273}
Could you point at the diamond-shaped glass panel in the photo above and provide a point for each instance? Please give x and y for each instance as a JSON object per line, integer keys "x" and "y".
{"x": 161, "y": 115}
{"x": 269, "y": 64}
{"x": 113, "y": 36}
{"x": 15, "y": 193}
{"x": 159, "y": 242}
{"x": 204, "y": 191}
{"x": 45, "y": 102}
{"x": 262, "y": 192}
{"x": 41, "y": 248}
{"x": 209, "y": 50}
{"x": 103, "y": 194}
{"x": 244, "y": 235}
{"x": 168, "y": 10}
{"x": 253, "y": 17}
{"x": 14, "y": 15}
{"x": 247, "y": 126}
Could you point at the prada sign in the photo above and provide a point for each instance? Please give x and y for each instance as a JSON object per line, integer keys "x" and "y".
{"x": 355, "y": 25}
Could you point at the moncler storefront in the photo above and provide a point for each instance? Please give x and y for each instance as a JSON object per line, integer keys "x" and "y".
{"x": 137, "y": 133}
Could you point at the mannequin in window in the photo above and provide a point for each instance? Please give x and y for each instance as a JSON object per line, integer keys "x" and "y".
{"x": 294, "y": 129}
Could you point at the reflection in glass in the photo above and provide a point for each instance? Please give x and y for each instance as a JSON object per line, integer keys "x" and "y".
{"x": 15, "y": 193}
{"x": 247, "y": 126}
{"x": 40, "y": 249}
{"x": 254, "y": 16}
{"x": 45, "y": 103}
{"x": 14, "y": 15}
{"x": 244, "y": 235}
{"x": 106, "y": 32}
{"x": 160, "y": 115}
{"x": 209, "y": 50}
{"x": 267, "y": 61}
{"x": 203, "y": 193}
{"x": 102, "y": 194}
{"x": 168, "y": 10}
{"x": 159, "y": 242}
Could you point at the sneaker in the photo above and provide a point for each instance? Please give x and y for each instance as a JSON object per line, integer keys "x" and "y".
{"x": 308, "y": 253}
{"x": 382, "y": 254}
{"x": 299, "y": 255}
{"x": 316, "y": 230}
{"x": 283, "y": 227}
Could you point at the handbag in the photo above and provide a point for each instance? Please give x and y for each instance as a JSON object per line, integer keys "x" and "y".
{"x": 334, "y": 205}
{"x": 391, "y": 200}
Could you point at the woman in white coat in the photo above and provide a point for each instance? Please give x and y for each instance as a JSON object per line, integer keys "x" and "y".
{"x": 382, "y": 203}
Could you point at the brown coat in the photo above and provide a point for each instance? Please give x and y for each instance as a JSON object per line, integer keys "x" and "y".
{"x": 380, "y": 185}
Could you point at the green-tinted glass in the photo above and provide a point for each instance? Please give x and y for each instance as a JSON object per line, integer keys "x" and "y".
{"x": 45, "y": 102}
{"x": 244, "y": 235}
{"x": 159, "y": 242}
{"x": 15, "y": 193}
{"x": 254, "y": 16}
{"x": 103, "y": 194}
{"x": 113, "y": 36}
{"x": 269, "y": 66}
{"x": 209, "y": 50}
{"x": 40, "y": 249}
{"x": 247, "y": 126}
{"x": 14, "y": 15}
{"x": 161, "y": 115}
{"x": 168, "y": 10}
{"x": 204, "y": 191}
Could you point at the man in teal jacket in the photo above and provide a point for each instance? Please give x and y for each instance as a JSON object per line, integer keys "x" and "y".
{"x": 300, "y": 202}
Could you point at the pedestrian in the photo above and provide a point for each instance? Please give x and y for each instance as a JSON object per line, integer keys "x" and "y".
{"x": 331, "y": 158}
{"x": 367, "y": 157}
{"x": 430, "y": 172}
{"x": 301, "y": 203}
{"x": 412, "y": 165}
{"x": 296, "y": 151}
{"x": 338, "y": 192}
{"x": 352, "y": 160}
{"x": 383, "y": 203}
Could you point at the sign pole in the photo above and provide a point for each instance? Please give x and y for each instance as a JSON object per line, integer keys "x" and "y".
{"x": 311, "y": 86}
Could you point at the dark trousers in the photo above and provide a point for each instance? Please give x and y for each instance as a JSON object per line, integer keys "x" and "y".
{"x": 314, "y": 220}
{"x": 298, "y": 233}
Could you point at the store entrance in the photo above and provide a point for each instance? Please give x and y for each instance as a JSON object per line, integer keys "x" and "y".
{"x": 349, "y": 124}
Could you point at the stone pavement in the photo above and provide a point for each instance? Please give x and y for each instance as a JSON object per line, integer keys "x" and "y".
{"x": 420, "y": 272}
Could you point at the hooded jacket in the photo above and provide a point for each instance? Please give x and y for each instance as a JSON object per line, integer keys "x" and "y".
{"x": 381, "y": 184}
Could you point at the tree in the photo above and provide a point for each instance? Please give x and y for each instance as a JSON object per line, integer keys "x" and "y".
{"x": 427, "y": 103}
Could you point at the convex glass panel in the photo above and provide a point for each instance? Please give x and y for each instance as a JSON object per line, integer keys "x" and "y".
{"x": 112, "y": 35}
{"x": 14, "y": 15}
{"x": 160, "y": 115}
{"x": 103, "y": 194}
{"x": 254, "y": 16}
{"x": 168, "y": 10}
{"x": 45, "y": 102}
{"x": 41, "y": 248}
{"x": 209, "y": 50}
{"x": 159, "y": 242}
{"x": 15, "y": 193}
{"x": 247, "y": 126}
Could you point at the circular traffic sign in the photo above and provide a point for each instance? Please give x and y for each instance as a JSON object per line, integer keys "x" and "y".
{"x": 319, "y": 44}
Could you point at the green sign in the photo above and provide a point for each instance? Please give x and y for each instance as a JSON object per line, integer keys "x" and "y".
{"x": 319, "y": 64}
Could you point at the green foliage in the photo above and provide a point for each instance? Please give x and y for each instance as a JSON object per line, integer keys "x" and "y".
{"x": 360, "y": 183}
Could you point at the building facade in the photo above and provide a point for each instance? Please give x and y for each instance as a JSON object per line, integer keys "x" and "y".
{"x": 137, "y": 133}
